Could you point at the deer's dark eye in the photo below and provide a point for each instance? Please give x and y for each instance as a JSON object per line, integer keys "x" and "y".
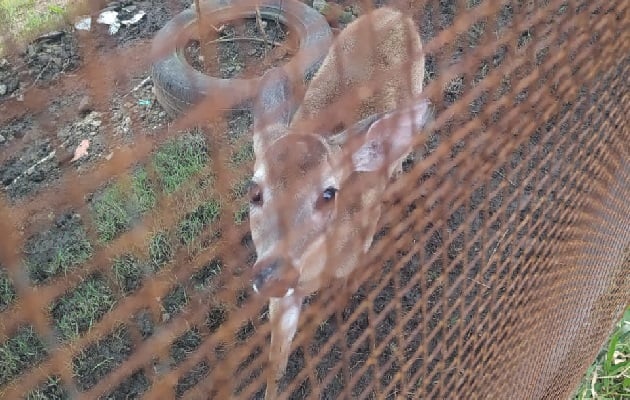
{"x": 329, "y": 193}
{"x": 255, "y": 194}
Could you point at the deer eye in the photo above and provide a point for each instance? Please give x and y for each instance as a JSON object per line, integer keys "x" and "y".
{"x": 255, "y": 194}
{"x": 329, "y": 193}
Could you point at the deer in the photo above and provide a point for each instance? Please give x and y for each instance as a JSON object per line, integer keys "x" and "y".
{"x": 302, "y": 220}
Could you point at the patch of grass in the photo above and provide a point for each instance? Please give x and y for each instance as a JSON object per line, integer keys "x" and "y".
{"x": 241, "y": 214}
{"x": 179, "y": 159}
{"x": 609, "y": 376}
{"x": 240, "y": 188}
{"x": 24, "y": 350}
{"x": 74, "y": 313}
{"x": 191, "y": 378}
{"x": 51, "y": 389}
{"x": 57, "y": 250}
{"x": 244, "y": 154}
{"x": 174, "y": 302}
{"x": 128, "y": 271}
{"x": 26, "y": 17}
{"x": 131, "y": 388}
{"x": 160, "y": 249}
{"x": 195, "y": 222}
{"x": 185, "y": 344}
{"x": 7, "y": 291}
{"x": 100, "y": 358}
{"x": 121, "y": 204}
{"x": 206, "y": 275}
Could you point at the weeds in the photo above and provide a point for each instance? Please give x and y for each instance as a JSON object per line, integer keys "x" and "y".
{"x": 51, "y": 389}
{"x": 22, "y": 351}
{"x": 179, "y": 159}
{"x": 128, "y": 271}
{"x": 120, "y": 205}
{"x": 195, "y": 222}
{"x": 609, "y": 376}
{"x": 76, "y": 312}
{"x": 7, "y": 291}
{"x": 58, "y": 250}
{"x": 160, "y": 250}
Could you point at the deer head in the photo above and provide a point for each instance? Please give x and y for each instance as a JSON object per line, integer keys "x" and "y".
{"x": 301, "y": 213}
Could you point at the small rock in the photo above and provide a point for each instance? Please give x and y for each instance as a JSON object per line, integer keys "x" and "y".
{"x": 321, "y": 6}
{"x": 4, "y": 63}
{"x": 2, "y": 139}
{"x": 3, "y": 89}
{"x": 85, "y": 105}
{"x": 109, "y": 156}
{"x": 251, "y": 52}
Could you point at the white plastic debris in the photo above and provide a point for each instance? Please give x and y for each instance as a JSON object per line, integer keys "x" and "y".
{"x": 110, "y": 18}
{"x": 135, "y": 19}
{"x": 84, "y": 23}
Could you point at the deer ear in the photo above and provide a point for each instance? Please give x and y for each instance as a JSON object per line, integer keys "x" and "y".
{"x": 390, "y": 137}
{"x": 275, "y": 102}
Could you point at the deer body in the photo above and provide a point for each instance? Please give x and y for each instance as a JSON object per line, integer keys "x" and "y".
{"x": 301, "y": 217}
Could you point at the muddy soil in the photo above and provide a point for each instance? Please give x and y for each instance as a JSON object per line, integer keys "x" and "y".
{"x": 157, "y": 13}
{"x": 51, "y": 55}
{"x": 240, "y": 48}
{"x": 9, "y": 79}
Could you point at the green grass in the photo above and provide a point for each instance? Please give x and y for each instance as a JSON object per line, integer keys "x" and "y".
{"x": 121, "y": 204}
{"x": 244, "y": 154}
{"x": 241, "y": 214}
{"x": 77, "y": 311}
{"x": 58, "y": 250}
{"x": 26, "y": 17}
{"x": 51, "y": 389}
{"x": 160, "y": 249}
{"x": 128, "y": 271}
{"x": 609, "y": 376}
{"x": 179, "y": 159}
{"x": 7, "y": 291}
{"x": 195, "y": 222}
{"x": 24, "y": 350}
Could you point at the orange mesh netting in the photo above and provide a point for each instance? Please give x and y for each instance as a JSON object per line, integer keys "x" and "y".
{"x": 499, "y": 268}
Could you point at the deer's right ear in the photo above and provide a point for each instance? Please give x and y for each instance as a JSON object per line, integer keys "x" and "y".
{"x": 275, "y": 102}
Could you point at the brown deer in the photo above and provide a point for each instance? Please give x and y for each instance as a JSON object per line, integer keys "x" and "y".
{"x": 302, "y": 218}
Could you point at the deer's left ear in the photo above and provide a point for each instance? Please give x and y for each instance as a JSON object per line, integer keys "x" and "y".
{"x": 389, "y": 137}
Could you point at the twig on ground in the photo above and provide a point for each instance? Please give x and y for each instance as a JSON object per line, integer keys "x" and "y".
{"x": 138, "y": 86}
{"x": 30, "y": 169}
{"x": 504, "y": 177}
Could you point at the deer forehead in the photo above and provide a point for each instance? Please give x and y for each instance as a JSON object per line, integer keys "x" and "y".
{"x": 292, "y": 159}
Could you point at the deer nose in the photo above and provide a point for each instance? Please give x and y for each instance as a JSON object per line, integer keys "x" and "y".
{"x": 274, "y": 277}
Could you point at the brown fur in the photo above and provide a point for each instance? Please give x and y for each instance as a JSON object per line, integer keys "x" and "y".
{"x": 283, "y": 224}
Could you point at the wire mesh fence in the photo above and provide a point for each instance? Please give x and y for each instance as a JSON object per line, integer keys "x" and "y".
{"x": 501, "y": 258}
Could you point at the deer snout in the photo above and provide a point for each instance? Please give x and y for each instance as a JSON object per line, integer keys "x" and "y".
{"x": 275, "y": 277}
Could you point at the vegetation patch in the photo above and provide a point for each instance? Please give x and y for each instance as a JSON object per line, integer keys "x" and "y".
{"x": 128, "y": 271}
{"x": 7, "y": 290}
{"x": 160, "y": 249}
{"x": 100, "y": 358}
{"x": 244, "y": 154}
{"x": 121, "y": 204}
{"x": 191, "y": 378}
{"x": 131, "y": 388}
{"x": 174, "y": 302}
{"x": 185, "y": 345}
{"x": 26, "y": 17}
{"x": 24, "y": 350}
{"x": 76, "y": 312}
{"x": 179, "y": 159}
{"x": 51, "y": 389}
{"x": 207, "y": 275}
{"x": 195, "y": 222}
{"x": 57, "y": 250}
{"x": 609, "y": 376}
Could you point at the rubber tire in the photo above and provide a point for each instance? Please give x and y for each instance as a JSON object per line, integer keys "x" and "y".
{"x": 179, "y": 87}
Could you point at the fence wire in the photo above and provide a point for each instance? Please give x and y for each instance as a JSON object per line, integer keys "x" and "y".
{"x": 500, "y": 264}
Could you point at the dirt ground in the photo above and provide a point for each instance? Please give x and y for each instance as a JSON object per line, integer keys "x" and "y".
{"x": 36, "y": 149}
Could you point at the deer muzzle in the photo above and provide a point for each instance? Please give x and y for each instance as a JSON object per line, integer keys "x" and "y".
{"x": 274, "y": 277}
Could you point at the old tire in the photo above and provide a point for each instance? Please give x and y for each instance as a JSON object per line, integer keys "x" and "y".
{"x": 178, "y": 86}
